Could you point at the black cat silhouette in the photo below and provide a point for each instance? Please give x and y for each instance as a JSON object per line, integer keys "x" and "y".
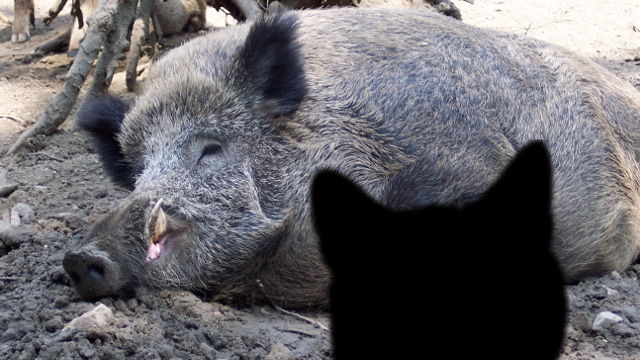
{"x": 441, "y": 282}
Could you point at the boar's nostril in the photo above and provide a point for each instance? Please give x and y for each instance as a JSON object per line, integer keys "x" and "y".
{"x": 92, "y": 274}
{"x": 95, "y": 271}
{"x": 74, "y": 276}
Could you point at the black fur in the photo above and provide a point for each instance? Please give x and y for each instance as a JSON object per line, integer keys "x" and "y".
{"x": 269, "y": 65}
{"x": 480, "y": 277}
{"x": 101, "y": 118}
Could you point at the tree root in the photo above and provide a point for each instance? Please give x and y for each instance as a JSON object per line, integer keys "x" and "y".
{"x": 54, "y": 11}
{"x": 138, "y": 34}
{"x": 101, "y": 24}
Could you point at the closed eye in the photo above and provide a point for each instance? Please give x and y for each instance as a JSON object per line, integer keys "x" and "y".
{"x": 211, "y": 150}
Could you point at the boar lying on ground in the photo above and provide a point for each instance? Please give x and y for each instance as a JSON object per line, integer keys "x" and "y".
{"x": 503, "y": 267}
{"x": 420, "y": 110}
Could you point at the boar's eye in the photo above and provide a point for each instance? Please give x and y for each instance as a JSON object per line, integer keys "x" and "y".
{"x": 210, "y": 150}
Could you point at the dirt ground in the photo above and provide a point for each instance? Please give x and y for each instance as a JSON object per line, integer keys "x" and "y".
{"x": 61, "y": 189}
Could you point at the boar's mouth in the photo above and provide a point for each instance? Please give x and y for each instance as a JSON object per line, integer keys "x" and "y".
{"x": 157, "y": 247}
{"x": 160, "y": 230}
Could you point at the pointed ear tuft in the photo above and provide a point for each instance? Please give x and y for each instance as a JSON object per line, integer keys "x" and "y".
{"x": 268, "y": 68}
{"x": 101, "y": 119}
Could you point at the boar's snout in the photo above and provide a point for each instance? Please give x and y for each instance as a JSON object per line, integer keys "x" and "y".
{"x": 93, "y": 275}
{"x": 111, "y": 256}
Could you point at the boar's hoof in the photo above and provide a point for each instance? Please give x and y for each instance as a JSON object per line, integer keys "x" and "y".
{"x": 92, "y": 273}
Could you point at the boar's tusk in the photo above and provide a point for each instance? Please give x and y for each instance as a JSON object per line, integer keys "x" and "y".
{"x": 158, "y": 220}
{"x": 161, "y": 225}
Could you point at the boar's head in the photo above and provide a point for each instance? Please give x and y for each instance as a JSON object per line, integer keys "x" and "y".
{"x": 209, "y": 173}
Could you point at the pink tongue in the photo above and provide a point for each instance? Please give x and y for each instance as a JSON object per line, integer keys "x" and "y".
{"x": 153, "y": 252}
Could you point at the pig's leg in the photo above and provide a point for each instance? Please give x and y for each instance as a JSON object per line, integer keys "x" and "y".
{"x": 23, "y": 20}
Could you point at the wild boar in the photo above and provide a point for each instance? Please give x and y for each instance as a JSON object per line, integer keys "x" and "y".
{"x": 414, "y": 107}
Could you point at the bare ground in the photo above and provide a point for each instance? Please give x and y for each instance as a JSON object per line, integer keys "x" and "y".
{"x": 61, "y": 189}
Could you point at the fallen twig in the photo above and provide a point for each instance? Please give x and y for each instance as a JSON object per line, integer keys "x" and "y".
{"x": 299, "y": 331}
{"x": 14, "y": 118}
{"x": 47, "y": 155}
{"x": 311, "y": 321}
{"x": 528, "y": 28}
{"x": 291, "y": 313}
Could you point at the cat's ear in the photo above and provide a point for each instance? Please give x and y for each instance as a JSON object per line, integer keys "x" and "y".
{"x": 517, "y": 219}
{"x": 521, "y": 198}
{"x": 342, "y": 215}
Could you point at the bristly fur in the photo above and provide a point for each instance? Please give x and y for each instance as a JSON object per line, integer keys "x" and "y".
{"x": 431, "y": 113}
{"x": 102, "y": 118}
{"x": 490, "y": 259}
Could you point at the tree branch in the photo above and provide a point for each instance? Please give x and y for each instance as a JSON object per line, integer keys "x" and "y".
{"x": 54, "y": 11}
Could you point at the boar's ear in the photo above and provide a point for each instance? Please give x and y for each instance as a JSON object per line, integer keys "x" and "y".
{"x": 101, "y": 119}
{"x": 268, "y": 69}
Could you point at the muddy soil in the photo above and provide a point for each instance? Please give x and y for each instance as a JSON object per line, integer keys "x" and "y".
{"x": 57, "y": 188}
